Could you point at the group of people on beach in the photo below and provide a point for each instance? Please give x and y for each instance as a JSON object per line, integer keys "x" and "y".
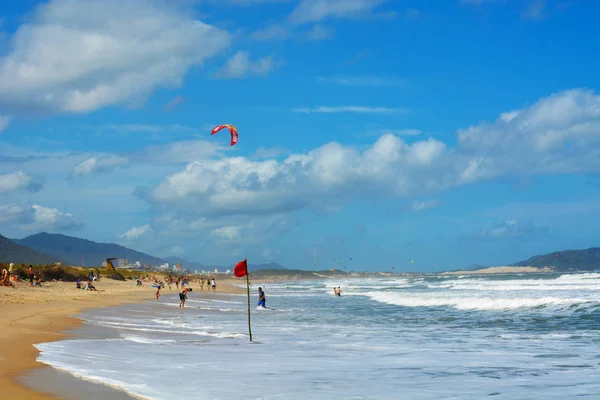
{"x": 183, "y": 281}
{"x": 87, "y": 286}
{"x": 9, "y": 276}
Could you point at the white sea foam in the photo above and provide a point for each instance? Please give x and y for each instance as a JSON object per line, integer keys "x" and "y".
{"x": 506, "y": 338}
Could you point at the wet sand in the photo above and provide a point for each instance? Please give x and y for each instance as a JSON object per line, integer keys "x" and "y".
{"x": 44, "y": 314}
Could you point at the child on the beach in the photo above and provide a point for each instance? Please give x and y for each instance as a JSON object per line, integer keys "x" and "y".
{"x": 158, "y": 290}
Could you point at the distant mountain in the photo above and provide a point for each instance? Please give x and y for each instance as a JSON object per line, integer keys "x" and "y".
{"x": 74, "y": 251}
{"x": 19, "y": 254}
{"x": 260, "y": 267}
{"x": 583, "y": 260}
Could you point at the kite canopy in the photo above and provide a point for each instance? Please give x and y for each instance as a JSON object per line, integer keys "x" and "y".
{"x": 232, "y": 130}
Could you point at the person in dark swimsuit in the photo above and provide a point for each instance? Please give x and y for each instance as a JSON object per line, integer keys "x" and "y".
{"x": 183, "y": 297}
{"x": 261, "y": 298}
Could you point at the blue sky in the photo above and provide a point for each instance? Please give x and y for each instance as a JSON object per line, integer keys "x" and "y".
{"x": 451, "y": 133}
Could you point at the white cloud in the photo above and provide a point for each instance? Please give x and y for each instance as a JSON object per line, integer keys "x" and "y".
{"x": 227, "y": 232}
{"x": 366, "y": 80}
{"x": 558, "y": 134}
{"x": 136, "y": 232}
{"x": 240, "y": 65}
{"x": 316, "y": 10}
{"x": 271, "y": 33}
{"x": 4, "y": 122}
{"x": 424, "y": 205}
{"x": 100, "y": 163}
{"x": 34, "y": 217}
{"x": 240, "y": 186}
{"x": 81, "y": 55}
{"x": 349, "y": 109}
{"x": 16, "y": 181}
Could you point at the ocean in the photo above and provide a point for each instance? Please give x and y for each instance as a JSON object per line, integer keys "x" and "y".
{"x": 437, "y": 337}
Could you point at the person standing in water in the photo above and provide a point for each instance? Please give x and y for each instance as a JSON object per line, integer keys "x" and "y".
{"x": 183, "y": 296}
{"x": 261, "y": 298}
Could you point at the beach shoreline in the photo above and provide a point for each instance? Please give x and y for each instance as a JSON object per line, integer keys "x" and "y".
{"x": 39, "y": 315}
{"x": 501, "y": 270}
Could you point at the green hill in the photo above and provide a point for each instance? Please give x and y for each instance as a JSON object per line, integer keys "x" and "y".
{"x": 582, "y": 260}
{"x": 74, "y": 251}
{"x": 11, "y": 252}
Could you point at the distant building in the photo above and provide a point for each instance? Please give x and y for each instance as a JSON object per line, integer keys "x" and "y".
{"x": 138, "y": 264}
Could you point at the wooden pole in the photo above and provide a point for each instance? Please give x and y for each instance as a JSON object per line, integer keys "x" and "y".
{"x": 248, "y": 290}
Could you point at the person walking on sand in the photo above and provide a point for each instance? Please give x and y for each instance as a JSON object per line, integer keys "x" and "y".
{"x": 183, "y": 296}
{"x": 214, "y": 284}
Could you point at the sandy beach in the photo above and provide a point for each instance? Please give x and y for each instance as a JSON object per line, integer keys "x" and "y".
{"x": 42, "y": 314}
{"x": 500, "y": 270}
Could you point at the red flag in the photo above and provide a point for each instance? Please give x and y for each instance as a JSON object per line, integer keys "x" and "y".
{"x": 241, "y": 269}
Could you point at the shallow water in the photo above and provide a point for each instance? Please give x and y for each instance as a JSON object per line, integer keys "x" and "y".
{"x": 441, "y": 337}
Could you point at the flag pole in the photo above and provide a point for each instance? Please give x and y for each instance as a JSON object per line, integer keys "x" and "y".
{"x": 248, "y": 291}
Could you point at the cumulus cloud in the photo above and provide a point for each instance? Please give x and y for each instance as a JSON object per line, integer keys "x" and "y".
{"x": 17, "y": 181}
{"x": 557, "y": 134}
{"x": 34, "y": 217}
{"x": 99, "y": 164}
{"x": 240, "y": 186}
{"x": 136, "y": 232}
{"x": 240, "y": 65}
{"x": 81, "y": 55}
